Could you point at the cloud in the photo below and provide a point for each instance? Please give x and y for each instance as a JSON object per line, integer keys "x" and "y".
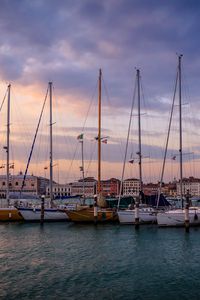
{"x": 68, "y": 41}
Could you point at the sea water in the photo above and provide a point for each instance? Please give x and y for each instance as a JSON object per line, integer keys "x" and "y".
{"x": 70, "y": 261}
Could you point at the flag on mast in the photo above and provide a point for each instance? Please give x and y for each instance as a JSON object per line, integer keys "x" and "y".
{"x": 131, "y": 161}
{"x": 80, "y": 136}
{"x": 105, "y": 141}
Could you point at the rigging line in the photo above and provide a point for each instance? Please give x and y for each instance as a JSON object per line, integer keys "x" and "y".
{"x": 19, "y": 124}
{"x": 83, "y": 127}
{"x": 191, "y": 121}
{"x": 3, "y": 99}
{"x": 92, "y": 99}
{"x": 33, "y": 144}
{"x": 57, "y": 154}
{"x": 127, "y": 140}
{"x": 146, "y": 119}
{"x": 76, "y": 149}
{"x": 106, "y": 91}
{"x": 73, "y": 158}
{"x": 91, "y": 158}
{"x": 167, "y": 141}
{"x": 113, "y": 117}
{"x": 42, "y": 144}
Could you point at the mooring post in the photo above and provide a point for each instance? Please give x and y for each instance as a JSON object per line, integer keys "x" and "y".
{"x": 137, "y": 215}
{"x": 187, "y": 220}
{"x": 95, "y": 210}
{"x": 42, "y": 210}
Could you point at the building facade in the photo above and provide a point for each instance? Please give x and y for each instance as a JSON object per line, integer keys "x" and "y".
{"x": 192, "y": 184}
{"x": 131, "y": 187}
{"x": 33, "y": 185}
{"x": 110, "y": 187}
{"x": 59, "y": 190}
{"x": 150, "y": 189}
{"x": 88, "y": 188}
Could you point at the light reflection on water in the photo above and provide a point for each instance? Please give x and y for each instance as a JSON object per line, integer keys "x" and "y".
{"x": 68, "y": 261}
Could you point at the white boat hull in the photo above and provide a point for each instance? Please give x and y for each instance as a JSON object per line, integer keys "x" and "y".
{"x": 147, "y": 215}
{"x": 50, "y": 214}
{"x": 177, "y": 217}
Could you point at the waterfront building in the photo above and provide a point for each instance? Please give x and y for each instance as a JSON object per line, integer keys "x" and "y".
{"x": 88, "y": 187}
{"x": 192, "y": 184}
{"x": 169, "y": 189}
{"x": 59, "y": 190}
{"x": 110, "y": 187}
{"x": 33, "y": 185}
{"x": 150, "y": 188}
{"x": 131, "y": 187}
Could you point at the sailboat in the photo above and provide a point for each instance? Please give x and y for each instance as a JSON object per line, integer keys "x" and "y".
{"x": 176, "y": 217}
{"x": 52, "y": 213}
{"x": 141, "y": 213}
{"x": 9, "y": 213}
{"x": 95, "y": 213}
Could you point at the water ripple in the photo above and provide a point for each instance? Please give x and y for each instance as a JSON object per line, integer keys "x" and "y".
{"x": 66, "y": 261}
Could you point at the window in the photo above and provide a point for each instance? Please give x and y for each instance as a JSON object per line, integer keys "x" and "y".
{"x": 16, "y": 183}
{"x": 3, "y": 183}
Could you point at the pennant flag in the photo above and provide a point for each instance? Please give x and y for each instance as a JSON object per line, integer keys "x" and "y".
{"x": 174, "y": 157}
{"x": 80, "y": 136}
{"x": 81, "y": 169}
{"x": 2, "y": 167}
{"x": 96, "y": 138}
{"x": 131, "y": 161}
{"x": 105, "y": 141}
{"x": 45, "y": 168}
{"x": 11, "y": 166}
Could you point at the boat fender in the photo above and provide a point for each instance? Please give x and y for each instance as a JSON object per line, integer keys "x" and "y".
{"x": 195, "y": 216}
{"x": 34, "y": 209}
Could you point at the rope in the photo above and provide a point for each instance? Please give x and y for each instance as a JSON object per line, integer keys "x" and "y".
{"x": 4, "y": 99}
{"x": 29, "y": 159}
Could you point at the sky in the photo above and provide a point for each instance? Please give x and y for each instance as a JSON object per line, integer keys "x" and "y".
{"x": 67, "y": 42}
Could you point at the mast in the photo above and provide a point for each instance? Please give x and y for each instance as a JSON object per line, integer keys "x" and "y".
{"x": 83, "y": 171}
{"x": 139, "y": 133}
{"x": 137, "y": 219}
{"x": 8, "y": 145}
{"x": 180, "y": 130}
{"x": 51, "y": 146}
{"x": 99, "y": 135}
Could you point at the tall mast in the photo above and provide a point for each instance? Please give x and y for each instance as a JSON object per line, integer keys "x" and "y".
{"x": 180, "y": 130}
{"x": 99, "y": 136}
{"x": 139, "y": 132}
{"x": 51, "y": 145}
{"x": 83, "y": 171}
{"x": 8, "y": 145}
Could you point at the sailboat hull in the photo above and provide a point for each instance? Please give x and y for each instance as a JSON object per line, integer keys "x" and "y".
{"x": 146, "y": 216}
{"x": 10, "y": 214}
{"x": 176, "y": 218}
{"x": 87, "y": 216}
{"x": 51, "y": 214}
